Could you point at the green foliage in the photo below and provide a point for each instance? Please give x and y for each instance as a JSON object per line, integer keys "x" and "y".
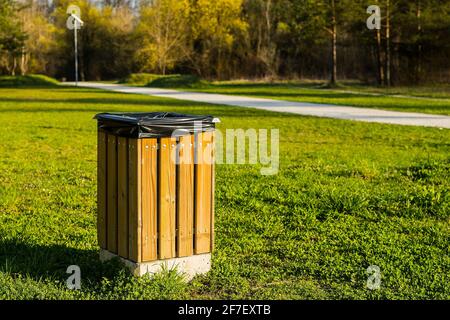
{"x": 106, "y": 41}
{"x": 229, "y": 39}
{"x": 177, "y": 81}
{"x": 40, "y": 43}
{"x": 12, "y": 37}
{"x": 164, "y": 81}
{"x": 217, "y": 29}
{"x": 31, "y": 80}
{"x": 348, "y": 195}
{"x": 140, "y": 78}
{"x": 164, "y": 30}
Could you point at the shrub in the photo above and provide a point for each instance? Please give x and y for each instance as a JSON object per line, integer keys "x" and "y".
{"x": 177, "y": 81}
{"x": 139, "y": 78}
{"x": 31, "y": 80}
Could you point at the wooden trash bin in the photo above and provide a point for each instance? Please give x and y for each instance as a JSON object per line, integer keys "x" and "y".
{"x": 156, "y": 191}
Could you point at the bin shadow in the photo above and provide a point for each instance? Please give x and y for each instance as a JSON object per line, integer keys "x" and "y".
{"x": 41, "y": 262}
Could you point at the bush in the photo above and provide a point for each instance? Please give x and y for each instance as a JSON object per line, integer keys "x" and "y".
{"x": 164, "y": 81}
{"x": 31, "y": 80}
{"x": 177, "y": 81}
{"x": 139, "y": 78}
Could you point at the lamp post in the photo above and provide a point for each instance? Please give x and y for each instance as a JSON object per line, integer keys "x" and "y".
{"x": 74, "y": 23}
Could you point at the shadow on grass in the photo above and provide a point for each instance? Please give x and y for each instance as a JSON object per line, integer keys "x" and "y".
{"x": 45, "y": 86}
{"x": 323, "y": 94}
{"x": 104, "y": 101}
{"x": 287, "y": 85}
{"x": 95, "y": 105}
{"x": 51, "y": 262}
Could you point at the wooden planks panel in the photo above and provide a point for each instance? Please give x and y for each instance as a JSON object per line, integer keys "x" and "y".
{"x": 122, "y": 196}
{"x": 149, "y": 207}
{"x": 166, "y": 200}
{"x": 185, "y": 196}
{"x": 148, "y": 198}
{"x": 112, "y": 194}
{"x": 134, "y": 194}
{"x": 203, "y": 189}
{"x": 101, "y": 189}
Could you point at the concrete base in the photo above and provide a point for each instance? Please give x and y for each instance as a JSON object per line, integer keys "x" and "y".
{"x": 186, "y": 266}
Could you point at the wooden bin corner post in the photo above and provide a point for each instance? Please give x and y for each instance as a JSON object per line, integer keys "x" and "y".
{"x": 213, "y": 184}
{"x": 122, "y": 197}
{"x": 111, "y": 205}
{"x": 101, "y": 189}
{"x": 203, "y": 192}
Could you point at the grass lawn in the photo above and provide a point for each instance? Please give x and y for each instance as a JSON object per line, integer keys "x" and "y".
{"x": 437, "y": 91}
{"x": 435, "y": 100}
{"x": 348, "y": 195}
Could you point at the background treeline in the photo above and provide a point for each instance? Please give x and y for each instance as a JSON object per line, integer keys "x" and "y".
{"x": 223, "y": 39}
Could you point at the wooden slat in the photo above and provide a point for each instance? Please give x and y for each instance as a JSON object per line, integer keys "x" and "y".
{"x": 101, "y": 189}
{"x": 166, "y": 201}
{"x": 122, "y": 196}
{"x": 112, "y": 194}
{"x": 149, "y": 199}
{"x": 213, "y": 182}
{"x": 134, "y": 194}
{"x": 203, "y": 189}
{"x": 185, "y": 196}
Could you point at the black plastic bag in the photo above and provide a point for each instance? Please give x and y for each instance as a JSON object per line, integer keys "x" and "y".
{"x": 153, "y": 124}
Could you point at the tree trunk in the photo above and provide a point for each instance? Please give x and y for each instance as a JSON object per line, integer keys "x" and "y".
{"x": 163, "y": 66}
{"x": 380, "y": 65}
{"x": 333, "y": 77}
{"x": 388, "y": 43}
{"x": 13, "y": 70}
{"x": 268, "y": 23}
{"x": 22, "y": 61}
{"x": 419, "y": 42}
{"x": 270, "y": 56}
{"x": 219, "y": 63}
{"x": 380, "y": 59}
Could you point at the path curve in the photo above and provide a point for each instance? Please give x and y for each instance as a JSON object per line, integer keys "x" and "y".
{"x": 302, "y": 108}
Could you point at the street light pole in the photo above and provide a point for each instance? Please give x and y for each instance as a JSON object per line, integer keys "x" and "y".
{"x": 74, "y": 22}
{"x": 76, "y": 53}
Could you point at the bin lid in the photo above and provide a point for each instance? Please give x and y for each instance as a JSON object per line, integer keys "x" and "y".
{"x": 153, "y": 124}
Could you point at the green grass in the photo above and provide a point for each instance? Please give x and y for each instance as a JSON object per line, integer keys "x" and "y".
{"x": 348, "y": 195}
{"x": 437, "y": 91}
{"x": 432, "y": 99}
{"x": 31, "y": 80}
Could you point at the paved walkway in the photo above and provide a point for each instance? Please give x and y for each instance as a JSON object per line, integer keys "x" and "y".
{"x": 302, "y": 108}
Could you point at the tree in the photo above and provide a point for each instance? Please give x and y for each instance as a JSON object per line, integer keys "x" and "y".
{"x": 333, "y": 14}
{"x": 380, "y": 65}
{"x": 216, "y": 26}
{"x": 34, "y": 55}
{"x": 268, "y": 34}
{"x": 222, "y": 39}
{"x": 327, "y": 15}
{"x": 388, "y": 43}
{"x": 106, "y": 41}
{"x": 12, "y": 38}
{"x": 164, "y": 32}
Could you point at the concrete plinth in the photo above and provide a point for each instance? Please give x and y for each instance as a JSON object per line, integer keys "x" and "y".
{"x": 186, "y": 266}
